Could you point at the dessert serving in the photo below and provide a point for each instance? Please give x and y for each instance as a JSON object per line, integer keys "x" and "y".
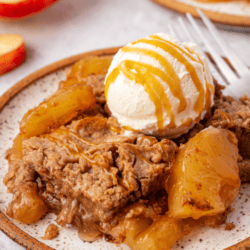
{"x": 139, "y": 149}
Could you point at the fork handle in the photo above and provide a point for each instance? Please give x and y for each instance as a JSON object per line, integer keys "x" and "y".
{"x": 238, "y": 88}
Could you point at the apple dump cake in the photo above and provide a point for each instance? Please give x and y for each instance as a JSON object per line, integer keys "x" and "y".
{"x": 82, "y": 155}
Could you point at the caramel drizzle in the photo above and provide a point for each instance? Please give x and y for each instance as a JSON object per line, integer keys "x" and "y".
{"x": 227, "y": 117}
{"x": 145, "y": 75}
{"x": 111, "y": 79}
{"x": 75, "y": 152}
{"x": 78, "y": 151}
{"x": 115, "y": 129}
{"x": 210, "y": 87}
{"x": 138, "y": 154}
{"x": 172, "y": 49}
{"x": 77, "y": 137}
{"x": 130, "y": 128}
{"x": 169, "y": 76}
{"x": 188, "y": 123}
{"x": 150, "y": 84}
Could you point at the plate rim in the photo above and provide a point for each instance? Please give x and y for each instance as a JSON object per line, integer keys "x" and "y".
{"x": 222, "y": 18}
{"x": 6, "y": 225}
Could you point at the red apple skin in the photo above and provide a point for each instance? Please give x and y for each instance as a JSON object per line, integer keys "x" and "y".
{"x": 24, "y": 8}
{"x": 12, "y": 59}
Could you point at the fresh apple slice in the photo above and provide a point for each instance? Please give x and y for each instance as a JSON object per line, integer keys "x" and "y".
{"x": 12, "y": 52}
{"x": 15, "y": 9}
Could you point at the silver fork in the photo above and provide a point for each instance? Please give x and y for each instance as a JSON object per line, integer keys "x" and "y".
{"x": 237, "y": 81}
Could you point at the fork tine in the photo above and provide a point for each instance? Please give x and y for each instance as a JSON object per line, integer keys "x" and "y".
{"x": 239, "y": 66}
{"x": 190, "y": 38}
{"x": 222, "y": 65}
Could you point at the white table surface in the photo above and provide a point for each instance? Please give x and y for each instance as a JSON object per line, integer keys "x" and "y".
{"x": 71, "y": 27}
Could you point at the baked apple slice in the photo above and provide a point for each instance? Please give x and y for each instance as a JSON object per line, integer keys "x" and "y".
{"x": 16, "y": 151}
{"x": 90, "y": 66}
{"x": 12, "y": 52}
{"x": 57, "y": 110}
{"x": 27, "y": 206}
{"x": 15, "y": 9}
{"x": 162, "y": 234}
{"x": 205, "y": 177}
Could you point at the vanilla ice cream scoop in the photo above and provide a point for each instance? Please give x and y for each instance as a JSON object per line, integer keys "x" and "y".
{"x": 159, "y": 87}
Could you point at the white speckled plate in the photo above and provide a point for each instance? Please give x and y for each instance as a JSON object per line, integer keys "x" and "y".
{"x": 15, "y": 103}
{"x": 232, "y": 12}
